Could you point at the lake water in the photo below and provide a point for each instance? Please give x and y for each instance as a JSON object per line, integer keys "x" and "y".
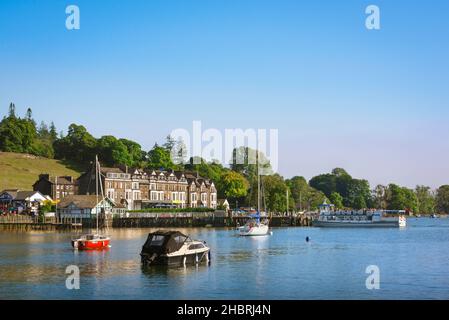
{"x": 413, "y": 264}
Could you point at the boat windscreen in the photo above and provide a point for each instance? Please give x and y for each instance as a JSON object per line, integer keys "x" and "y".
{"x": 157, "y": 240}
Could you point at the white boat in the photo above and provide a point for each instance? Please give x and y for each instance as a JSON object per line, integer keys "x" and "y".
{"x": 172, "y": 248}
{"x": 362, "y": 218}
{"x": 256, "y": 227}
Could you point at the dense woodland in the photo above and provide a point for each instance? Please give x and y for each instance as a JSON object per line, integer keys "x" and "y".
{"x": 237, "y": 182}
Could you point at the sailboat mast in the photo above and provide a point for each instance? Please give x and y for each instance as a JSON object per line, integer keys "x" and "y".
{"x": 96, "y": 187}
{"x": 258, "y": 183}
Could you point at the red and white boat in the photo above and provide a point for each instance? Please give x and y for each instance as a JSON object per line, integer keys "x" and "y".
{"x": 93, "y": 241}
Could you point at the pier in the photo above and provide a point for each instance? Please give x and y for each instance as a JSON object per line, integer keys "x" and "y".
{"x": 146, "y": 220}
{"x": 28, "y": 223}
{"x": 217, "y": 219}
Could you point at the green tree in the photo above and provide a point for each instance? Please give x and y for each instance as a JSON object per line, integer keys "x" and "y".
{"x": 299, "y": 190}
{"x": 244, "y": 160}
{"x": 426, "y": 200}
{"x": 159, "y": 158}
{"x": 234, "y": 185}
{"x": 326, "y": 183}
{"x": 442, "y": 199}
{"x": 401, "y": 198}
{"x": 113, "y": 152}
{"x": 137, "y": 156}
{"x": 78, "y": 146}
{"x": 359, "y": 194}
{"x": 336, "y": 199}
{"x": 53, "y": 132}
{"x": 380, "y": 197}
{"x": 16, "y": 134}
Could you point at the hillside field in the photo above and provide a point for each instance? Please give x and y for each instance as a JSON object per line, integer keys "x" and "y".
{"x": 20, "y": 171}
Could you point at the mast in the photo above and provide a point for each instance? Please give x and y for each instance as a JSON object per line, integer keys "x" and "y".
{"x": 258, "y": 184}
{"x": 96, "y": 186}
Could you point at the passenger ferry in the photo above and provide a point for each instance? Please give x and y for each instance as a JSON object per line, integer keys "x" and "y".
{"x": 328, "y": 217}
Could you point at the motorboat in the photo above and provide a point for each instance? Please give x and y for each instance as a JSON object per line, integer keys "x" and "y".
{"x": 173, "y": 248}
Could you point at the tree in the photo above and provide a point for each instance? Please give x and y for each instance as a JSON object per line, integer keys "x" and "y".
{"x": 275, "y": 193}
{"x": 299, "y": 190}
{"x": 336, "y": 199}
{"x": 53, "y": 132}
{"x": 159, "y": 158}
{"x": 113, "y": 152}
{"x": 169, "y": 143}
{"x": 442, "y": 199}
{"x": 401, "y": 198}
{"x": 426, "y": 200}
{"x": 78, "y": 146}
{"x": 244, "y": 160}
{"x": 380, "y": 197}
{"x": 234, "y": 185}
{"x": 359, "y": 194}
{"x": 16, "y": 134}
{"x": 137, "y": 156}
{"x": 12, "y": 110}
{"x": 327, "y": 183}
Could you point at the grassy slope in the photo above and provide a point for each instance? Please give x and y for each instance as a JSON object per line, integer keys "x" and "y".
{"x": 20, "y": 171}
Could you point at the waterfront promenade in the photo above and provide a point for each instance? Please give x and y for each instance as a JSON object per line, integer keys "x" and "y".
{"x": 143, "y": 220}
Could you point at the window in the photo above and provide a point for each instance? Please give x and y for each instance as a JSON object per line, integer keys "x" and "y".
{"x": 153, "y": 195}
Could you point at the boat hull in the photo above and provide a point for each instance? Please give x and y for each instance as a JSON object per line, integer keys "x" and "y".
{"x": 254, "y": 231}
{"x": 345, "y": 224}
{"x": 176, "y": 260}
{"x": 90, "y": 244}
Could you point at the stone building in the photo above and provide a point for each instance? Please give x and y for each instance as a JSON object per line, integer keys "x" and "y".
{"x": 138, "y": 189}
{"x": 56, "y": 187}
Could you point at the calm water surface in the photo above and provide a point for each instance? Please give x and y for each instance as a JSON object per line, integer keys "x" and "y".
{"x": 413, "y": 262}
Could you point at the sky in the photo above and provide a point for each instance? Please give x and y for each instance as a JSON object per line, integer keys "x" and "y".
{"x": 375, "y": 102}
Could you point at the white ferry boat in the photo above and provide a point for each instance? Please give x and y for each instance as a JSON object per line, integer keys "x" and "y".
{"x": 328, "y": 217}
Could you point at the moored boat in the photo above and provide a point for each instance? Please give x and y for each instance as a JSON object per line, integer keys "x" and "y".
{"x": 361, "y": 218}
{"x": 94, "y": 241}
{"x": 255, "y": 227}
{"x": 91, "y": 242}
{"x": 173, "y": 248}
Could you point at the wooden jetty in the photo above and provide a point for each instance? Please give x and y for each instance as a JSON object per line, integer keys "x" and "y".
{"x": 27, "y": 223}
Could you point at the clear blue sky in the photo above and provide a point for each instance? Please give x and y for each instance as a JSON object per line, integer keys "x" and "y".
{"x": 373, "y": 102}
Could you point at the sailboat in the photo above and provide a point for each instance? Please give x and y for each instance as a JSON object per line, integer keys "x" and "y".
{"x": 93, "y": 241}
{"x": 256, "y": 227}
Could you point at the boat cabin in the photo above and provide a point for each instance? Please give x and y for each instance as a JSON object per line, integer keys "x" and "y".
{"x": 164, "y": 242}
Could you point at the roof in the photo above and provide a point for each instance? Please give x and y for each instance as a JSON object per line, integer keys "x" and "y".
{"x": 81, "y": 201}
{"x": 17, "y": 194}
{"x": 109, "y": 169}
{"x": 11, "y": 192}
{"x": 22, "y": 195}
